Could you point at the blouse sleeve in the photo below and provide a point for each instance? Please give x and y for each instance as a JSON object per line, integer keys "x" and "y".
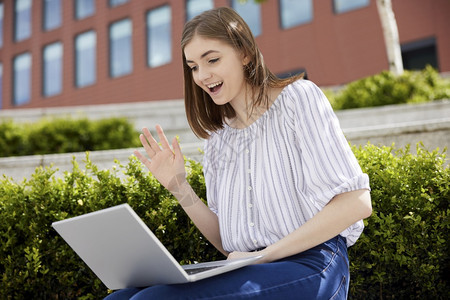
{"x": 327, "y": 158}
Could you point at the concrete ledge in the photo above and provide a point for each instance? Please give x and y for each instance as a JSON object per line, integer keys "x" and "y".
{"x": 170, "y": 114}
{"x": 433, "y": 134}
{"x": 394, "y": 114}
{"x": 398, "y": 128}
{"x": 399, "y": 124}
{"x": 19, "y": 167}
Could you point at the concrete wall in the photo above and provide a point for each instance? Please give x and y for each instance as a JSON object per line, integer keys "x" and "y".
{"x": 399, "y": 124}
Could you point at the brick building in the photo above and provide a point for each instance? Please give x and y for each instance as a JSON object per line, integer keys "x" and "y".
{"x": 80, "y": 52}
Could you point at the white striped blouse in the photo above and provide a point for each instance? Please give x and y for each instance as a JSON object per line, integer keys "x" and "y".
{"x": 266, "y": 180}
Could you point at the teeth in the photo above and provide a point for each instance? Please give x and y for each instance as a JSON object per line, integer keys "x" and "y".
{"x": 214, "y": 84}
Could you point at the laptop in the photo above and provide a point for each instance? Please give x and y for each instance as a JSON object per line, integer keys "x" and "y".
{"x": 123, "y": 252}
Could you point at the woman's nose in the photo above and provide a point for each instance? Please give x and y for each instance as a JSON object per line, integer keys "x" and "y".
{"x": 203, "y": 74}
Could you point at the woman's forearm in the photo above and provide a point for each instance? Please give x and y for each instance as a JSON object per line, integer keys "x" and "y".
{"x": 341, "y": 212}
{"x": 205, "y": 220}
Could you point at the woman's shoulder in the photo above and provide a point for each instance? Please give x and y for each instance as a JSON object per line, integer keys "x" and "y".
{"x": 303, "y": 97}
{"x": 298, "y": 93}
{"x": 303, "y": 85}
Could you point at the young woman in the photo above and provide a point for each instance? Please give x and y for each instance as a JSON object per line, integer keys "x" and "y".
{"x": 281, "y": 178}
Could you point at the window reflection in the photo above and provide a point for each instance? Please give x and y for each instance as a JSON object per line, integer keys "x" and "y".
{"x": 53, "y": 69}
{"x": 52, "y": 14}
{"x": 341, "y": 6}
{"x": 84, "y": 8}
{"x": 85, "y": 52}
{"x": 196, "y": 7}
{"x": 121, "y": 57}
{"x": 22, "y": 20}
{"x": 22, "y": 79}
{"x": 117, "y": 2}
{"x": 295, "y": 12}
{"x": 159, "y": 37}
{"x": 251, "y": 13}
{"x": 1, "y": 24}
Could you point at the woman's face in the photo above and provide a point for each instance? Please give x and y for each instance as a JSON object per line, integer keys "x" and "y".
{"x": 217, "y": 68}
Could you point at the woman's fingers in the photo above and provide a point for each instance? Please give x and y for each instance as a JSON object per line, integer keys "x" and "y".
{"x": 151, "y": 146}
{"x": 162, "y": 137}
{"x": 146, "y": 145}
{"x": 164, "y": 161}
{"x": 149, "y": 143}
{"x": 143, "y": 159}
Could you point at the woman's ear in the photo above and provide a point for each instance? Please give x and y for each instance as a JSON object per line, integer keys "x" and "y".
{"x": 245, "y": 59}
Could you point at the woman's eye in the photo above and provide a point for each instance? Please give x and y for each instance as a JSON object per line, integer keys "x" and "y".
{"x": 214, "y": 60}
{"x": 194, "y": 68}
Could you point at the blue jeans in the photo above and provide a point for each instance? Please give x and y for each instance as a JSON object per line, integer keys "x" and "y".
{"x": 319, "y": 273}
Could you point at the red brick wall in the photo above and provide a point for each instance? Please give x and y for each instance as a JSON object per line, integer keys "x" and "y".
{"x": 417, "y": 20}
{"x": 334, "y": 49}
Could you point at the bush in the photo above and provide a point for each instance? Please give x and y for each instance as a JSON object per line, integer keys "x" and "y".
{"x": 12, "y": 139}
{"x": 386, "y": 88}
{"x": 403, "y": 252}
{"x": 66, "y": 135}
{"x": 36, "y": 263}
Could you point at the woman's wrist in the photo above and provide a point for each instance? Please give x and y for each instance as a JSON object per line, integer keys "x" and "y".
{"x": 269, "y": 254}
{"x": 184, "y": 193}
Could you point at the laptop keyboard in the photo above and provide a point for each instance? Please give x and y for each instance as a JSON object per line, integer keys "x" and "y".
{"x": 200, "y": 269}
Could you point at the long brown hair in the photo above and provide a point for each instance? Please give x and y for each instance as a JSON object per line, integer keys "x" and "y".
{"x": 224, "y": 24}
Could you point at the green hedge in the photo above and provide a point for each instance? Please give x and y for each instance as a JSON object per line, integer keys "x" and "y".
{"x": 65, "y": 135}
{"x": 403, "y": 253}
{"x": 36, "y": 263}
{"x": 386, "y": 88}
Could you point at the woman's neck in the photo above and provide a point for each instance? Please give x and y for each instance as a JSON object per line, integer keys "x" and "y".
{"x": 245, "y": 115}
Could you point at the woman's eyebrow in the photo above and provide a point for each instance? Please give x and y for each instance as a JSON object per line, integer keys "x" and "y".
{"x": 203, "y": 55}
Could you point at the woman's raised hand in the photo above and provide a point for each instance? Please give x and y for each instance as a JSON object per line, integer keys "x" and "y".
{"x": 165, "y": 164}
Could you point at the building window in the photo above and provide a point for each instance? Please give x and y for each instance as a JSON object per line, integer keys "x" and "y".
{"x": 342, "y": 6}
{"x": 417, "y": 55}
{"x": 52, "y": 14}
{"x": 22, "y": 20}
{"x": 196, "y": 7}
{"x": 295, "y": 12}
{"x": 159, "y": 33}
{"x": 251, "y": 13}
{"x": 53, "y": 65}
{"x": 84, "y": 8}
{"x": 1, "y": 24}
{"x": 85, "y": 59}
{"x": 1, "y": 85}
{"x": 22, "y": 79}
{"x": 113, "y": 3}
{"x": 121, "y": 56}
{"x": 292, "y": 73}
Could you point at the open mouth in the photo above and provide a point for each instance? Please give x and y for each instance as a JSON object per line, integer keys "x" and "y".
{"x": 215, "y": 86}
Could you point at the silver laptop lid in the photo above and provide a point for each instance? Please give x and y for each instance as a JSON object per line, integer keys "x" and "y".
{"x": 115, "y": 244}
